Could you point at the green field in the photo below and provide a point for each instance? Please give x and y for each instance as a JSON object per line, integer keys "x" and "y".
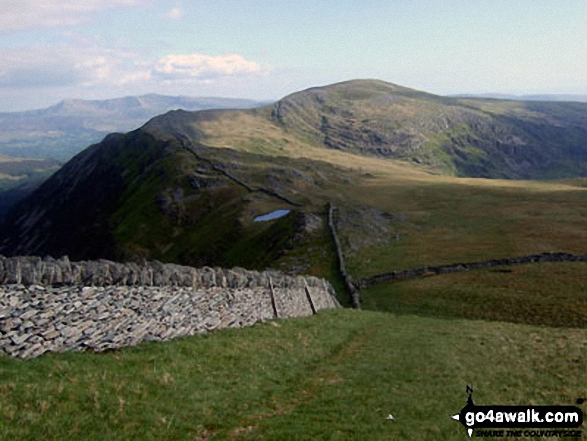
{"x": 442, "y": 222}
{"x": 548, "y": 294}
{"x": 335, "y": 376}
{"x": 518, "y": 337}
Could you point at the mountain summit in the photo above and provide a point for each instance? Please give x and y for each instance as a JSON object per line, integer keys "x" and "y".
{"x": 464, "y": 137}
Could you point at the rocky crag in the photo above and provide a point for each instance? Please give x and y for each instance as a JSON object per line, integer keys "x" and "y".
{"x": 57, "y": 305}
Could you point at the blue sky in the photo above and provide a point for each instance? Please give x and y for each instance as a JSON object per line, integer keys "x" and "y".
{"x": 262, "y": 49}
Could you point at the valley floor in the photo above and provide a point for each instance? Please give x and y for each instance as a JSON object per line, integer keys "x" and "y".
{"x": 335, "y": 376}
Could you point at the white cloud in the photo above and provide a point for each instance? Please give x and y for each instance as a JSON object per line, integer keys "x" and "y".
{"x": 135, "y": 78}
{"x": 64, "y": 66}
{"x": 17, "y": 15}
{"x": 89, "y": 67}
{"x": 204, "y": 67}
{"x": 174, "y": 14}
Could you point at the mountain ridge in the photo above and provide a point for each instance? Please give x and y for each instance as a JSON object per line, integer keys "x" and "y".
{"x": 186, "y": 186}
{"x": 462, "y": 137}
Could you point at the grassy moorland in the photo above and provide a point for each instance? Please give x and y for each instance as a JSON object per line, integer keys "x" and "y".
{"x": 432, "y": 218}
{"x": 442, "y": 222}
{"x": 552, "y": 294}
{"x": 337, "y": 375}
{"x": 374, "y": 149}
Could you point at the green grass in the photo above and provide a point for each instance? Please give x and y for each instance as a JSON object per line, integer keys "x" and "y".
{"x": 333, "y": 376}
{"x": 449, "y": 222}
{"x": 549, "y": 294}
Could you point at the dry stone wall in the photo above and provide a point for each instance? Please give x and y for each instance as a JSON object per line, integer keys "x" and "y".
{"x": 57, "y": 305}
{"x": 461, "y": 267}
{"x": 346, "y": 277}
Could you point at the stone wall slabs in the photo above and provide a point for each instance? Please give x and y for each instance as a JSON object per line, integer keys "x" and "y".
{"x": 56, "y": 305}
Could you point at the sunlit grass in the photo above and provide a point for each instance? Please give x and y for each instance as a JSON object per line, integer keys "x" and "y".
{"x": 550, "y": 294}
{"x": 337, "y": 375}
{"x": 450, "y": 223}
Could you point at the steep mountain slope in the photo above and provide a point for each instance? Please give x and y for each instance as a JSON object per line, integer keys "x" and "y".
{"x": 71, "y": 210}
{"x": 140, "y": 196}
{"x": 62, "y": 130}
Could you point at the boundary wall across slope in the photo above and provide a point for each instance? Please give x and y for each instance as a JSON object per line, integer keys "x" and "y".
{"x": 57, "y": 305}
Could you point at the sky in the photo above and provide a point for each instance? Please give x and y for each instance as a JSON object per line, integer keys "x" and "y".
{"x": 265, "y": 49}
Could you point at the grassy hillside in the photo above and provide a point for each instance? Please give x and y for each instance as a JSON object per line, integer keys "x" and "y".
{"x": 337, "y": 375}
{"x": 447, "y": 221}
{"x": 136, "y": 196}
{"x": 550, "y": 294}
{"x": 187, "y": 187}
{"x": 480, "y": 138}
{"x": 462, "y": 137}
{"x": 413, "y": 211}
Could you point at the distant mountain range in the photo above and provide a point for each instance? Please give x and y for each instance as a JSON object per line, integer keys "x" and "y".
{"x": 542, "y": 97}
{"x": 62, "y": 130}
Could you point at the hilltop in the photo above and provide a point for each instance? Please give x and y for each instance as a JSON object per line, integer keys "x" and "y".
{"x": 474, "y": 138}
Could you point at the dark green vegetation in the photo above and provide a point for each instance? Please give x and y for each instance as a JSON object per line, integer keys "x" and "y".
{"x": 62, "y": 130}
{"x": 336, "y": 376}
{"x": 19, "y": 177}
{"x": 137, "y": 196}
